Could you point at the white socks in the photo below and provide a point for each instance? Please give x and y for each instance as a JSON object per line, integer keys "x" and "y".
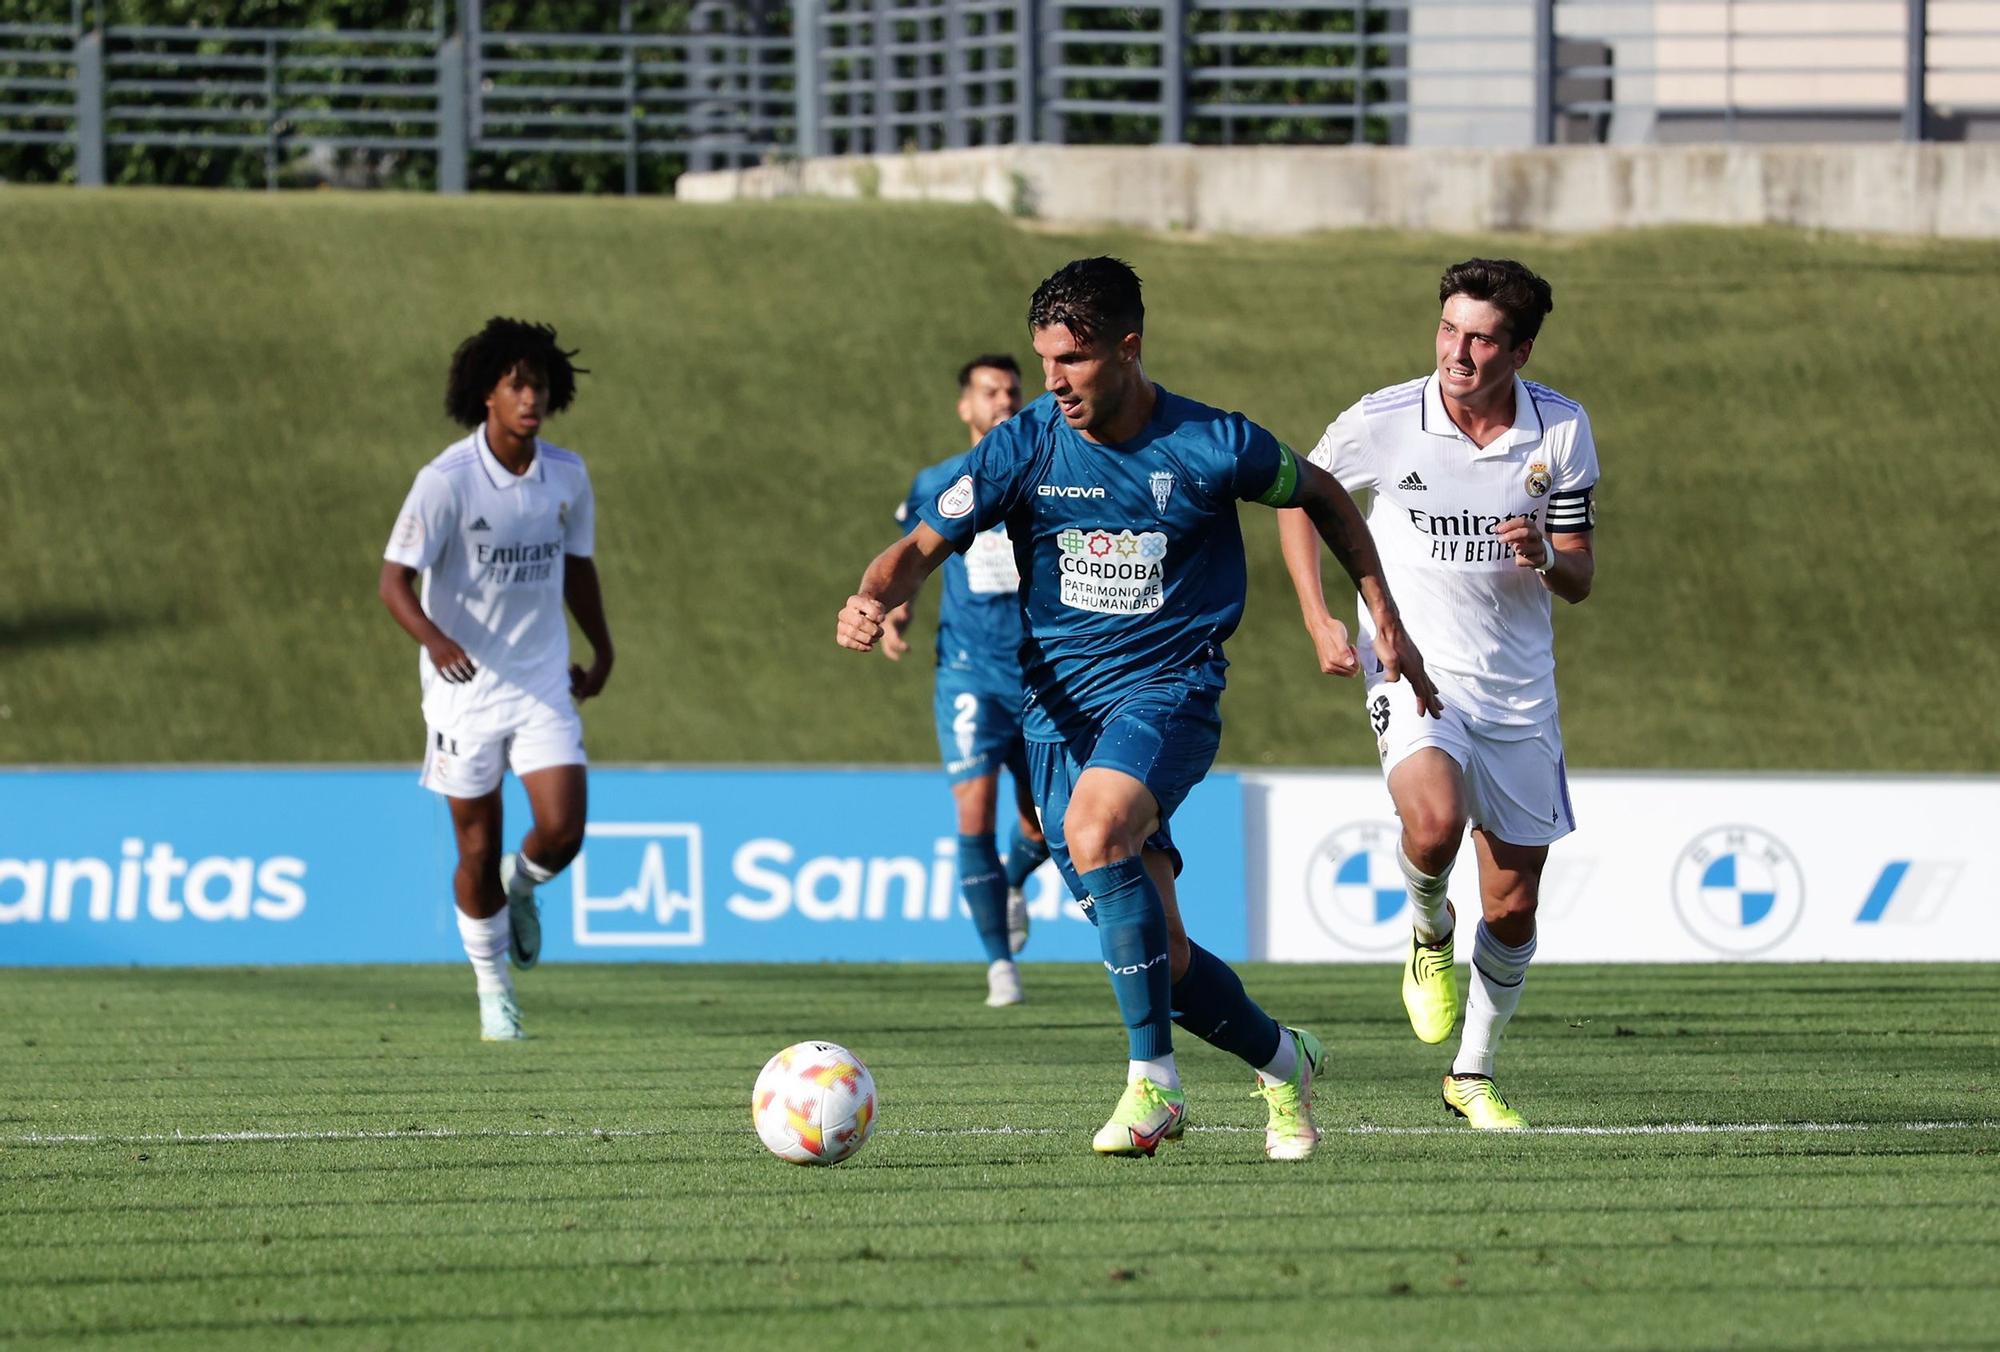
{"x": 486, "y": 944}
{"x": 1498, "y": 973}
{"x": 1285, "y": 1062}
{"x": 1430, "y": 913}
{"x": 528, "y": 875}
{"x": 1160, "y": 1072}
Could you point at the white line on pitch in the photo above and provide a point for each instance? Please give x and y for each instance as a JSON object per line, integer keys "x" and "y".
{"x": 623, "y": 1133}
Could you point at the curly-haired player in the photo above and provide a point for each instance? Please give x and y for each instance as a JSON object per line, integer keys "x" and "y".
{"x": 501, "y": 528}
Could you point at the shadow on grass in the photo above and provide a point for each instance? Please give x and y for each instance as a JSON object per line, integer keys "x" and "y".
{"x": 69, "y": 626}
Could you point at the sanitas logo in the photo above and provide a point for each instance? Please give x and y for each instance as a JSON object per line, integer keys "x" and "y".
{"x": 1068, "y": 491}
{"x": 218, "y": 887}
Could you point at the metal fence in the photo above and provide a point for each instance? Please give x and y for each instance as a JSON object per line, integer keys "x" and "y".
{"x": 734, "y": 83}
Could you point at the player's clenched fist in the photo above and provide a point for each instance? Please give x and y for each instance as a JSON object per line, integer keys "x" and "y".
{"x": 860, "y": 623}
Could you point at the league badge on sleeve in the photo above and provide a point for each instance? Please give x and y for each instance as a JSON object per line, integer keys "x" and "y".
{"x": 957, "y": 500}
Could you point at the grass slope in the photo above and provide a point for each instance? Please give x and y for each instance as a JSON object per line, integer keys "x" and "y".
{"x": 218, "y": 401}
{"x": 685, "y": 1234}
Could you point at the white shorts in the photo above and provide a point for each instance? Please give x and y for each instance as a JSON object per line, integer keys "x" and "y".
{"x": 1516, "y": 786}
{"x": 470, "y": 767}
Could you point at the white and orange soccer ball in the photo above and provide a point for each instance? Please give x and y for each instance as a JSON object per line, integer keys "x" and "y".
{"x": 814, "y": 1103}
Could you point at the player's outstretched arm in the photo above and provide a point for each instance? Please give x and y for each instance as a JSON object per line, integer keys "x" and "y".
{"x": 585, "y": 599}
{"x": 1300, "y": 544}
{"x": 892, "y": 579}
{"x": 397, "y": 588}
{"x": 1339, "y": 522}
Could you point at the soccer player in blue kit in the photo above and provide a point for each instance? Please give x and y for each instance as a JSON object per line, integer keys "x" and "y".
{"x": 1120, "y": 500}
{"x": 977, "y": 700}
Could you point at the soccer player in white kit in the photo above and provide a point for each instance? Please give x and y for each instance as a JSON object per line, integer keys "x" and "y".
{"x": 501, "y": 528}
{"x": 1482, "y": 511}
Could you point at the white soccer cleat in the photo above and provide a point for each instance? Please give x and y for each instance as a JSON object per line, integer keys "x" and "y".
{"x": 500, "y": 1018}
{"x": 1003, "y": 984}
{"x": 1017, "y": 920}
{"x": 524, "y": 916}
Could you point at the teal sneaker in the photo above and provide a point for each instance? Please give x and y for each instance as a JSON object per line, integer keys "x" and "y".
{"x": 1477, "y": 1099}
{"x": 524, "y": 916}
{"x": 500, "y": 1018}
{"x": 1290, "y": 1133}
{"x": 1146, "y": 1116}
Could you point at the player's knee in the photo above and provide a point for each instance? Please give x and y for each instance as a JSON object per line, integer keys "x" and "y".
{"x": 1096, "y": 839}
{"x": 560, "y": 842}
{"x": 1431, "y": 832}
{"x": 478, "y": 850}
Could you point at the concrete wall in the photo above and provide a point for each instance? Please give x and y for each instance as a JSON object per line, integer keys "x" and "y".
{"x": 1946, "y": 190}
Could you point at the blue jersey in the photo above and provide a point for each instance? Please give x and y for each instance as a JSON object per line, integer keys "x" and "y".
{"x": 1130, "y": 556}
{"x": 979, "y": 617}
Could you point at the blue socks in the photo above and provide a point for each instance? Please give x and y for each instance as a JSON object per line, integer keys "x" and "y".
{"x": 985, "y": 888}
{"x": 1209, "y": 1001}
{"x": 1132, "y": 934}
{"x": 1024, "y": 856}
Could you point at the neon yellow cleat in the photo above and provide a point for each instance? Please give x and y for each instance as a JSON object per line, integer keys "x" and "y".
{"x": 1146, "y": 1116}
{"x": 1290, "y": 1134}
{"x": 1477, "y": 1099}
{"x": 1430, "y": 990}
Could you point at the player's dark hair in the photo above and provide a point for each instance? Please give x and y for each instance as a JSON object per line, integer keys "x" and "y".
{"x": 488, "y": 355}
{"x": 994, "y": 361}
{"x": 1093, "y": 298}
{"x": 1507, "y": 286}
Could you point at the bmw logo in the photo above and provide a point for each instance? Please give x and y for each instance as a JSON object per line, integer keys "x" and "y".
{"x": 1738, "y": 890}
{"x": 1355, "y": 889}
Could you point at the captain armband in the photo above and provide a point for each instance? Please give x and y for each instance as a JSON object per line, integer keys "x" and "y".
{"x": 1571, "y": 513}
{"x": 1285, "y": 485}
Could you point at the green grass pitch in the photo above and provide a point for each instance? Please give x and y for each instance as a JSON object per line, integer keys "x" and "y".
{"x": 600, "y": 1187}
{"x": 217, "y": 401}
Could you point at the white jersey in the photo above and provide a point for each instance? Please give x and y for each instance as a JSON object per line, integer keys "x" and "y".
{"x": 491, "y": 546}
{"x": 1482, "y": 622}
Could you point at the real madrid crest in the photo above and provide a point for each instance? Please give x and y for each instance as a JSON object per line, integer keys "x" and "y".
{"x": 1538, "y": 479}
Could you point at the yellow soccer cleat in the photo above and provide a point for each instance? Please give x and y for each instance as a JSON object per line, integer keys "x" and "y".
{"x": 1290, "y": 1133}
{"x": 1477, "y": 1099}
{"x": 1430, "y": 990}
{"x": 1146, "y": 1116}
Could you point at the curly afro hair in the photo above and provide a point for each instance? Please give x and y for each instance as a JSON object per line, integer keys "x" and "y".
{"x": 488, "y": 355}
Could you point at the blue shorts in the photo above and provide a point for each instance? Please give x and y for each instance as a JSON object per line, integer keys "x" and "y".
{"x": 978, "y": 731}
{"x": 1165, "y": 736}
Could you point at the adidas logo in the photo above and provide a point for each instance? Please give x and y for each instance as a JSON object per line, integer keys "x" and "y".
{"x": 1411, "y": 484}
{"x": 480, "y": 522}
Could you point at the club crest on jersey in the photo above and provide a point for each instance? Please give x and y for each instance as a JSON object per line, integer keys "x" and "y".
{"x": 1538, "y": 479}
{"x": 1163, "y": 488}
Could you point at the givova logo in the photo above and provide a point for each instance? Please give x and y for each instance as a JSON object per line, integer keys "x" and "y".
{"x": 1355, "y": 888}
{"x": 1738, "y": 889}
{"x": 158, "y": 884}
